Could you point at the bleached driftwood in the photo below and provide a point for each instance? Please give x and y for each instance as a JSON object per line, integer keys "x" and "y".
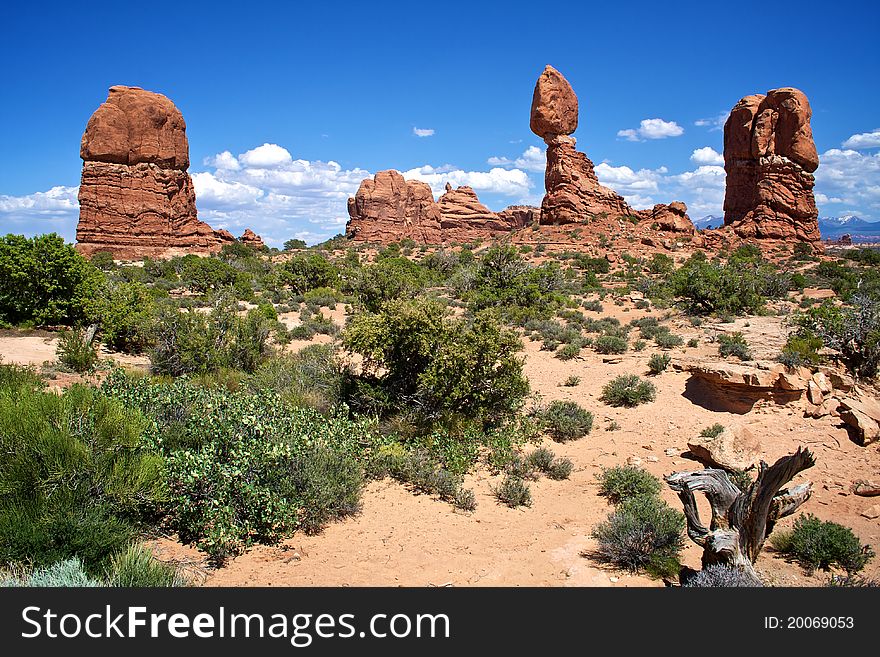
{"x": 741, "y": 520}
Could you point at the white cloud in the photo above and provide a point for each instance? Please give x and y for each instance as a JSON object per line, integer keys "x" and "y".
{"x": 714, "y": 123}
{"x": 652, "y": 129}
{"x": 849, "y": 182}
{"x": 224, "y": 160}
{"x": 864, "y": 140}
{"x": 532, "y": 159}
{"x": 707, "y": 155}
{"x": 266, "y": 156}
{"x": 701, "y": 189}
{"x": 423, "y": 132}
{"x": 507, "y": 182}
{"x": 55, "y": 210}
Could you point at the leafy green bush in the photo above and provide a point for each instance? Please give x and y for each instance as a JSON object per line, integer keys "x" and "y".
{"x": 435, "y": 365}
{"x": 513, "y": 492}
{"x": 308, "y": 271}
{"x": 77, "y": 350}
{"x": 568, "y": 351}
{"x": 309, "y": 377}
{"x": 572, "y": 381}
{"x": 801, "y": 349}
{"x": 624, "y": 482}
{"x": 125, "y": 317}
{"x": 658, "y": 363}
{"x": 387, "y": 280}
{"x": 853, "y": 331}
{"x": 566, "y": 420}
{"x": 734, "y": 344}
{"x": 817, "y": 544}
{"x": 667, "y": 340}
{"x": 44, "y": 281}
{"x": 628, "y": 390}
{"x": 610, "y": 344}
{"x": 246, "y": 467}
{"x": 194, "y": 342}
{"x": 742, "y": 285}
{"x": 642, "y": 533}
{"x": 75, "y": 475}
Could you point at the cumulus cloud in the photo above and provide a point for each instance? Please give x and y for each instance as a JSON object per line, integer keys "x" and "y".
{"x": 423, "y": 132}
{"x": 506, "y": 182}
{"x": 266, "y": 156}
{"x": 701, "y": 189}
{"x": 864, "y": 140}
{"x": 848, "y": 182}
{"x": 652, "y": 129}
{"x": 52, "y": 211}
{"x": 532, "y": 159}
{"x": 713, "y": 123}
{"x": 707, "y": 155}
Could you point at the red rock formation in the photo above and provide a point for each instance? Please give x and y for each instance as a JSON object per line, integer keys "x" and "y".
{"x": 136, "y": 198}
{"x": 253, "y": 240}
{"x": 388, "y": 208}
{"x": 672, "y": 217}
{"x": 770, "y": 157}
{"x": 520, "y": 216}
{"x": 554, "y": 105}
{"x": 573, "y": 193}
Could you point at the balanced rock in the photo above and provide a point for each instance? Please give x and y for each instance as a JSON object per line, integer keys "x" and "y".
{"x": 136, "y": 198}
{"x": 770, "y": 157}
{"x": 253, "y": 240}
{"x": 554, "y": 105}
{"x": 573, "y": 193}
{"x": 388, "y": 208}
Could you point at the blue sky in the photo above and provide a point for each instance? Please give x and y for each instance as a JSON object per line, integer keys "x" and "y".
{"x": 301, "y": 101}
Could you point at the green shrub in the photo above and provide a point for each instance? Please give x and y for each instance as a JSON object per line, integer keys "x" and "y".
{"x": 309, "y": 377}
{"x": 513, "y": 492}
{"x": 544, "y": 461}
{"x": 658, "y": 363}
{"x": 853, "y": 331}
{"x": 77, "y": 351}
{"x": 44, "y": 281}
{"x": 817, "y": 544}
{"x": 801, "y": 349}
{"x": 125, "y": 317}
{"x": 435, "y": 365}
{"x": 387, "y": 280}
{"x": 628, "y": 390}
{"x": 712, "y": 432}
{"x": 639, "y": 345}
{"x": 668, "y": 340}
{"x": 566, "y": 420}
{"x": 246, "y": 467}
{"x": 610, "y": 344}
{"x": 742, "y": 285}
{"x": 719, "y": 575}
{"x": 594, "y": 306}
{"x": 67, "y": 573}
{"x": 194, "y": 342}
{"x": 734, "y": 344}
{"x": 693, "y": 342}
{"x": 420, "y": 470}
{"x": 294, "y": 244}
{"x": 308, "y": 271}
{"x": 642, "y": 533}
{"x": 624, "y": 482}
{"x": 75, "y": 476}
{"x": 137, "y": 567}
{"x": 572, "y": 381}
{"x": 568, "y": 351}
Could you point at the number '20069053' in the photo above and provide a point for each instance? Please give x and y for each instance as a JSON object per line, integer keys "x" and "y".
{"x": 809, "y": 622}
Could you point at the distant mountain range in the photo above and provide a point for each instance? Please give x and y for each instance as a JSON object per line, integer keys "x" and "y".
{"x": 831, "y": 227}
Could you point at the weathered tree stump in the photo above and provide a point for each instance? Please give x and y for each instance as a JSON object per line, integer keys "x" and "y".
{"x": 741, "y": 520}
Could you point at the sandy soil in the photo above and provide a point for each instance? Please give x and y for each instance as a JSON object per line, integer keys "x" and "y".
{"x": 415, "y": 540}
